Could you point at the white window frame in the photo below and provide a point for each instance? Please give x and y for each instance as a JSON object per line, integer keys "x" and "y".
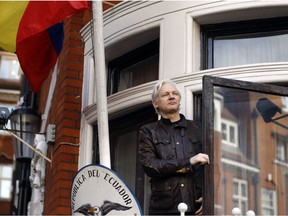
{"x": 230, "y": 124}
{"x": 264, "y": 201}
{"x": 240, "y": 198}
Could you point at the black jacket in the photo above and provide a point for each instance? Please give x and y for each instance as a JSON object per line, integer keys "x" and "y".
{"x": 165, "y": 150}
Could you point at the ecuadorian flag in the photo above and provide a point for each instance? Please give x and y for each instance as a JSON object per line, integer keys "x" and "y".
{"x": 34, "y": 31}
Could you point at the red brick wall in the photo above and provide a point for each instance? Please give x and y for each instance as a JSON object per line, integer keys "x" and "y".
{"x": 65, "y": 113}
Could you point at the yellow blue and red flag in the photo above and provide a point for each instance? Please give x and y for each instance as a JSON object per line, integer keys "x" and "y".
{"x": 34, "y": 31}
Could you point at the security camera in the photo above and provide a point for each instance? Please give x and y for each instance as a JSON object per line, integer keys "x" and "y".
{"x": 267, "y": 109}
{"x": 4, "y": 113}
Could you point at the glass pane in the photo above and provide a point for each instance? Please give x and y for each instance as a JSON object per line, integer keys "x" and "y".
{"x": 232, "y": 134}
{"x": 5, "y": 189}
{"x": 243, "y": 191}
{"x": 243, "y": 207}
{"x": 224, "y": 132}
{"x": 125, "y": 158}
{"x": 235, "y": 188}
{"x": 260, "y": 121}
{"x": 249, "y": 49}
{"x": 9, "y": 68}
{"x": 139, "y": 73}
{"x": 235, "y": 202}
{"x": 281, "y": 151}
{"x": 7, "y": 172}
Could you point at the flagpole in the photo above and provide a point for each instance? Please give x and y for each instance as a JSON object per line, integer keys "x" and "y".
{"x": 101, "y": 90}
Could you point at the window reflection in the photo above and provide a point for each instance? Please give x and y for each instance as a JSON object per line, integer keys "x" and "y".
{"x": 252, "y": 168}
{"x": 240, "y": 194}
{"x": 268, "y": 202}
{"x": 229, "y": 132}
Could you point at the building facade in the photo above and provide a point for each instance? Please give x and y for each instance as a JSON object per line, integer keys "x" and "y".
{"x": 184, "y": 41}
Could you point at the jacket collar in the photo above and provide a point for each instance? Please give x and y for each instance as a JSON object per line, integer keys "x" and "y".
{"x": 180, "y": 123}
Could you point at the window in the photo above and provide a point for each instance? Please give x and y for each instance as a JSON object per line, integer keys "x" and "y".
{"x": 281, "y": 148}
{"x": 240, "y": 194}
{"x": 268, "y": 202}
{"x": 285, "y": 104}
{"x": 245, "y": 42}
{"x": 9, "y": 66}
{"x": 281, "y": 151}
{"x": 5, "y": 181}
{"x": 229, "y": 133}
{"x": 134, "y": 68}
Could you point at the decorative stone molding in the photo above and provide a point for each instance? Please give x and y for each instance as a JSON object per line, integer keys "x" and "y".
{"x": 37, "y": 177}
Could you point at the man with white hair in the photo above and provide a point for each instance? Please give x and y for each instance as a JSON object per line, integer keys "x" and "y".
{"x": 170, "y": 153}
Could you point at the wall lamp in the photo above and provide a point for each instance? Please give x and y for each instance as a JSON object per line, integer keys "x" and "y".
{"x": 25, "y": 123}
{"x": 268, "y": 110}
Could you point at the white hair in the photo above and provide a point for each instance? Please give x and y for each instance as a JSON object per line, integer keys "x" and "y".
{"x": 157, "y": 88}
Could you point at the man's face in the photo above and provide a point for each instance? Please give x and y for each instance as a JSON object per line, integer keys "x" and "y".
{"x": 167, "y": 100}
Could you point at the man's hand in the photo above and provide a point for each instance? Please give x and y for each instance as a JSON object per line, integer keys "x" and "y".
{"x": 199, "y": 211}
{"x": 200, "y": 159}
